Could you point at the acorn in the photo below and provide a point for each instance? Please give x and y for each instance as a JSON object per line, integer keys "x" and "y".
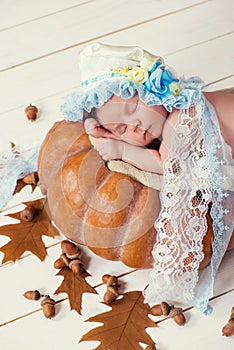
{"x": 48, "y": 307}
{"x": 177, "y": 315}
{"x": 112, "y": 288}
{"x": 32, "y": 295}
{"x": 228, "y": 329}
{"x": 160, "y": 309}
{"x": 76, "y": 265}
{"x": 28, "y": 213}
{"x": 110, "y": 280}
{"x": 71, "y": 250}
{"x": 166, "y": 308}
{"x": 105, "y": 278}
{"x": 31, "y": 179}
{"x": 61, "y": 262}
{"x": 109, "y": 297}
{"x": 31, "y": 112}
{"x": 156, "y": 310}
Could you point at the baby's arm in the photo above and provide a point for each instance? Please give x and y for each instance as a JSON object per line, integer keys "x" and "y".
{"x": 142, "y": 158}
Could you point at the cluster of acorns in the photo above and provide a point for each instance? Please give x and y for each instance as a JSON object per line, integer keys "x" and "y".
{"x": 47, "y": 304}
{"x": 176, "y": 313}
{"x": 112, "y": 290}
{"x": 70, "y": 257}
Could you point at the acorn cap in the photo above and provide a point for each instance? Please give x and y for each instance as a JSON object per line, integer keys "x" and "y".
{"x": 166, "y": 308}
{"x": 47, "y": 300}
{"x": 31, "y": 107}
{"x": 175, "y": 311}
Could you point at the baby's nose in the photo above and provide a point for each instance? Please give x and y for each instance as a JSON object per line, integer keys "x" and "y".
{"x": 135, "y": 124}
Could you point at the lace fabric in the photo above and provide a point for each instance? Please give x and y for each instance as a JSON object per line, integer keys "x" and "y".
{"x": 75, "y": 103}
{"x": 14, "y": 165}
{"x": 193, "y": 178}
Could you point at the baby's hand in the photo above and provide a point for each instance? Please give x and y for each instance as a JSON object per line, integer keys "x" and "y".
{"x": 110, "y": 148}
{"x": 93, "y": 128}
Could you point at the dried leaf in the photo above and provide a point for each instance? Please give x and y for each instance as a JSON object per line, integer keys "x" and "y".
{"x": 124, "y": 326}
{"x": 20, "y": 184}
{"x": 74, "y": 286}
{"x": 26, "y": 236}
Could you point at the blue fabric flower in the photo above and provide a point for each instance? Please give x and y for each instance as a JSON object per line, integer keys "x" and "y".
{"x": 159, "y": 80}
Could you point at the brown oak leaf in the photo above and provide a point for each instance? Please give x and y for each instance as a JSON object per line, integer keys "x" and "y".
{"x": 74, "y": 286}
{"x": 124, "y": 326}
{"x": 27, "y": 235}
{"x": 20, "y": 184}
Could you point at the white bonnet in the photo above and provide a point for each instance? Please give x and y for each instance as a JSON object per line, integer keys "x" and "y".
{"x": 123, "y": 71}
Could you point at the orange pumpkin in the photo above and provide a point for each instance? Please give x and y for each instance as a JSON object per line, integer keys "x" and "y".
{"x": 109, "y": 212}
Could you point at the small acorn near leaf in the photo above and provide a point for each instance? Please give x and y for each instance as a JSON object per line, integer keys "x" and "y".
{"x": 160, "y": 309}
{"x": 28, "y": 213}
{"x": 31, "y": 112}
{"x": 228, "y": 329}
{"x": 177, "y": 315}
{"x": 112, "y": 291}
{"x": 71, "y": 250}
{"x": 32, "y": 295}
{"x": 70, "y": 257}
{"x": 48, "y": 307}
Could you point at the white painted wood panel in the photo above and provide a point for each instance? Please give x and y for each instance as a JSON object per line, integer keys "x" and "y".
{"x": 40, "y": 38}
{"x": 182, "y": 30}
{"x": 15, "y": 13}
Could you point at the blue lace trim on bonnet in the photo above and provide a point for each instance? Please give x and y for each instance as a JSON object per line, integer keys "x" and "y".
{"x": 95, "y": 97}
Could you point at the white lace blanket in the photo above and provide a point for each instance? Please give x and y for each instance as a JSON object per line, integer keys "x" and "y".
{"x": 194, "y": 177}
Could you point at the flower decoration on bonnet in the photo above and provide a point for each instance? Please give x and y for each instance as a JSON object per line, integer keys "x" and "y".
{"x": 123, "y": 71}
{"x": 157, "y": 78}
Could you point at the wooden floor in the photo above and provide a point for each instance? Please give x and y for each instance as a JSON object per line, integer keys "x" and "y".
{"x": 40, "y": 41}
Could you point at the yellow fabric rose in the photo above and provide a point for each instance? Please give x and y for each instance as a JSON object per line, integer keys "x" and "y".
{"x": 175, "y": 88}
{"x": 124, "y": 70}
{"x": 138, "y": 75}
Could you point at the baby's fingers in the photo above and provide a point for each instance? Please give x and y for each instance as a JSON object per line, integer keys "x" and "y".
{"x": 91, "y": 125}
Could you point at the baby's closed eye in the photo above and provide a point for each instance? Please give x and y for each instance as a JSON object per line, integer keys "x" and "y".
{"x": 116, "y": 129}
{"x": 121, "y": 129}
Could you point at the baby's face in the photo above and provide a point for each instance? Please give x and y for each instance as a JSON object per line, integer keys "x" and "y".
{"x": 131, "y": 120}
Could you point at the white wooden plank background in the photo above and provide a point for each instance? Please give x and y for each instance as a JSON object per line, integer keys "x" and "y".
{"x": 38, "y": 64}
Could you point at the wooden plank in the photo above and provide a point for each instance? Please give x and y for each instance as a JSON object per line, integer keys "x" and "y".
{"x": 69, "y": 28}
{"x": 180, "y": 31}
{"x": 221, "y": 84}
{"x": 15, "y": 13}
